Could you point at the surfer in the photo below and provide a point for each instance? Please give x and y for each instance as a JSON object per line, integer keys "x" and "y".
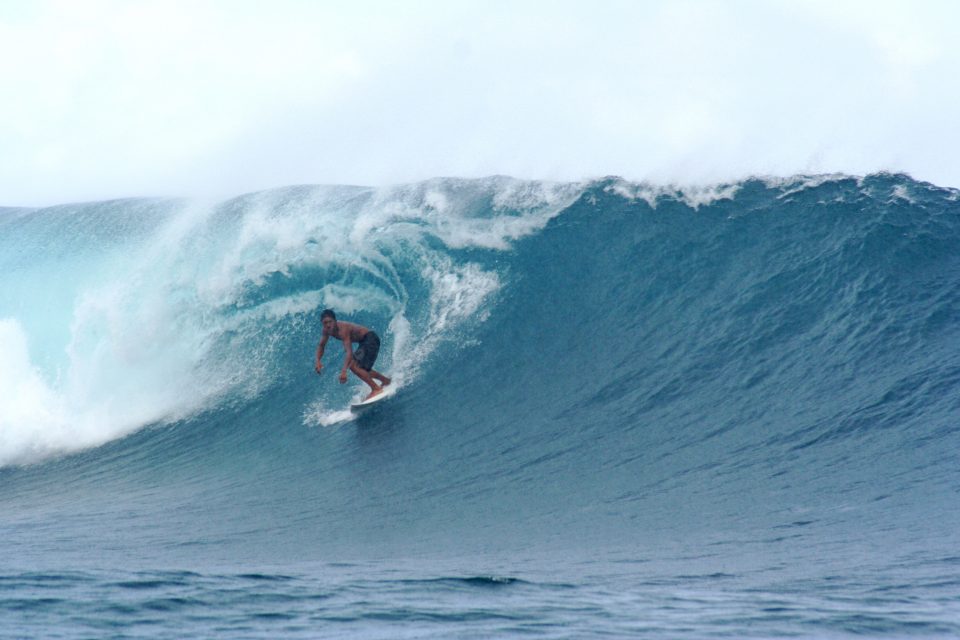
{"x": 360, "y": 362}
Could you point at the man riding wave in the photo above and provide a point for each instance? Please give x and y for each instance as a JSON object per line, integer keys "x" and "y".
{"x": 360, "y": 362}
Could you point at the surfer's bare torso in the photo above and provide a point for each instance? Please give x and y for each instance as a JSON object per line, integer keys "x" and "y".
{"x": 346, "y": 331}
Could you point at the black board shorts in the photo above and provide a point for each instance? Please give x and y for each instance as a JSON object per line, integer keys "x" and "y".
{"x": 367, "y": 350}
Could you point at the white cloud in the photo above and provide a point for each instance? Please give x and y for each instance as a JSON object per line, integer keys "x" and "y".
{"x": 106, "y": 99}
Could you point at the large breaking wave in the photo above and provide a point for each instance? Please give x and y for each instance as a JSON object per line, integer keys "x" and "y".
{"x": 122, "y": 314}
{"x": 576, "y": 361}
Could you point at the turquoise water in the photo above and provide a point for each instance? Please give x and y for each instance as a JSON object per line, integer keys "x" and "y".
{"x": 624, "y": 410}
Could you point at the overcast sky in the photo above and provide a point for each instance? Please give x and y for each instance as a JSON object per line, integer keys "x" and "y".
{"x": 105, "y": 99}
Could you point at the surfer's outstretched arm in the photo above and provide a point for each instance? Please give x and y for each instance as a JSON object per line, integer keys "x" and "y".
{"x": 320, "y": 349}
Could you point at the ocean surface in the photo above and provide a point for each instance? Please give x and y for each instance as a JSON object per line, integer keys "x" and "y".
{"x": 623, "y": 410}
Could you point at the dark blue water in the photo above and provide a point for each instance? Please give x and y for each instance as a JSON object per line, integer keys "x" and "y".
{"x": 623, "y": 411}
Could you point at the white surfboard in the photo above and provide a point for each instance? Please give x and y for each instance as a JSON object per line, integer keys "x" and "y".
{"x": 364, "y": 404}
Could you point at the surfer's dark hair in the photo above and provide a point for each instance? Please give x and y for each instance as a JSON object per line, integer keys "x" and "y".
{"x": 328, "y": 313}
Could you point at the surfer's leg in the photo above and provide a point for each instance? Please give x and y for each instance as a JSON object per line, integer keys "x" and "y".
{"x": 366, "y": 377}
{"x": 384, "y": 380}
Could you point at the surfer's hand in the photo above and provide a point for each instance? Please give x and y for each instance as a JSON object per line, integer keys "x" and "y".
{"x": 343, "y": 377}
{"x": 319, "y": 367}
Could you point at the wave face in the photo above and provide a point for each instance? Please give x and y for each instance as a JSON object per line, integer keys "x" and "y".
{"x": 765, "y": 372}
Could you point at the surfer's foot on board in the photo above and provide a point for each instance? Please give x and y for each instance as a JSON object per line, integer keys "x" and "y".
{"x": 373, "y": 393}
